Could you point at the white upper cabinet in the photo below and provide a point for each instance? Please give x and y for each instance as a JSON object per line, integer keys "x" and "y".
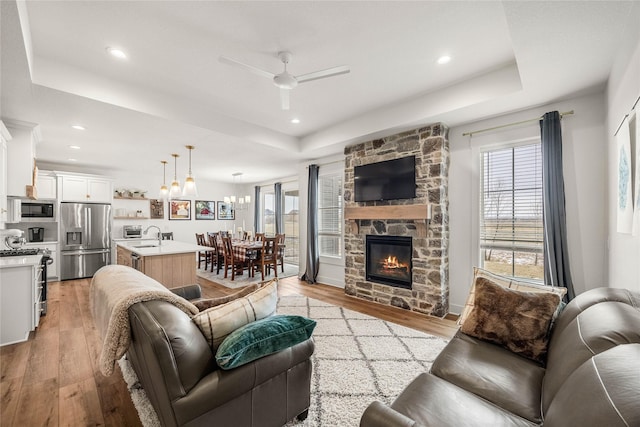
{"x": 21, "y": 151}
{"x": 46, "y": 184}
{"x": 85, "y": 188}
{"x": 4, "y": 136}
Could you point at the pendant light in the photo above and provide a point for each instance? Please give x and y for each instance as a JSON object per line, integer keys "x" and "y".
{"x": 190, "y": 189}
{"x": 164, "y": 190}
{"x": 175, "y": 184}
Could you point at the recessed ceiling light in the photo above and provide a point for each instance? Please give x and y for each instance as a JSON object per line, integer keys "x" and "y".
{"x": 295, "y": 121}
{"x": 117, "y": 53}
{"x": 78, "y": 127}
{"x": 73, "y": 160}
{"x": 444, "y": 59}
{"x": 75, "y": 147}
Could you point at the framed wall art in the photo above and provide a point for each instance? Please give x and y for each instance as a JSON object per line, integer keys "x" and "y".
{"x": 205, "y": 209}
{"x": 180, "y": 209}
{"x": 226, "y": 211}
{"x": 156, "y": 209}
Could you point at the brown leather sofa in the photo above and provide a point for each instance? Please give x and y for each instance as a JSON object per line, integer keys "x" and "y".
{"x": 178, "y": 372}
{"x": 591, "y": 378}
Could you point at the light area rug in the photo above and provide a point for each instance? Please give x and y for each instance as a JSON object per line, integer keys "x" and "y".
{"x": 358, "y": 359}
{"x": 244, "y": 279}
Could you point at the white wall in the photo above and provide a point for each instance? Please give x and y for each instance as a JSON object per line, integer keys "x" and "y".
{"x": 622, "y": 91}
{"x": 584, "y": 154}
{"x": 183, "y": 230}
{"x": 331, "y": 271}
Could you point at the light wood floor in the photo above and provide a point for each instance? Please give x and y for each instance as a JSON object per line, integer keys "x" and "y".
{"x": 53, "y": 379}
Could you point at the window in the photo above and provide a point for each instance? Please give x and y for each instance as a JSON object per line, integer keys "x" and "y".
{"x": 330, "y": 215}
{"x": 291, "y": 222}
{"x": 511, "y": 233}
{"x": 269, "y": 213}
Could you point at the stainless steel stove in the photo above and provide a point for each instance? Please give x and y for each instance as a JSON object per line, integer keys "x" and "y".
{"x": 19, "y": 252}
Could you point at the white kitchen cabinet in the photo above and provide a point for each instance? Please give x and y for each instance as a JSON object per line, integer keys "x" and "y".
{"x": 19, "y": 300}
{"x": 4, "y": 136}
{"x": 21, "y": 153}
{"x": 85, "y": 188}
{"x": 46, "y": 185}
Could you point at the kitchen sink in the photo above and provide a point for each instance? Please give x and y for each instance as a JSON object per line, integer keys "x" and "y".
{"x": 144, "y": 246}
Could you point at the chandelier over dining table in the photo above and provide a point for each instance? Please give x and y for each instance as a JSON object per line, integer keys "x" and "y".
{"x": 239, "y": 202}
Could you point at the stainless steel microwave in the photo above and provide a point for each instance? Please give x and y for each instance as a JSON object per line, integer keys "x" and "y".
{"x": 37, "y": 211}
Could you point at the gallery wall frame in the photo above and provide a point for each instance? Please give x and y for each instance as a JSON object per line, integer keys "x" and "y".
{"x": 226, "y": 211}
{"x": 156, "y": 209}
{"x": 180, "y": 209}
{"x": 205, "y": 210}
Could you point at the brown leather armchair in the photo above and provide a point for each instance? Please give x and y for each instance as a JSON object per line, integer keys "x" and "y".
{"x": 178, "y": 371}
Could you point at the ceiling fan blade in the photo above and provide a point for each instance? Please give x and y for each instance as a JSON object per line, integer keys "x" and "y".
{"x": 284, "y": 98}
{"x": 251, "y": 68}
{"x": 329, "y": 72}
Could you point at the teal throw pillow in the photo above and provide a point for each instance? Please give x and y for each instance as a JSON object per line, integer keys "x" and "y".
{"x": 261, "y": 338}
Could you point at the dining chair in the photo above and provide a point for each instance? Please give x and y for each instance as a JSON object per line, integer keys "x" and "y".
{"x": 268, "y": 256}
{"x": 217, "y": 257}
{"x": 237, "y": 265}
{"x": 259, "y": 237}
{"x": 203, "y": 255}
{"x": 167, "y": 236}
{"x": 280, "y": 250}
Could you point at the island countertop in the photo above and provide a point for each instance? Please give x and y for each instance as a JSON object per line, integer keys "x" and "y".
{"x": 168, "y": 247}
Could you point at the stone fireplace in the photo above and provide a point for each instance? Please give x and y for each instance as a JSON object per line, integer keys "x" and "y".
{"x": 427, "y": 288}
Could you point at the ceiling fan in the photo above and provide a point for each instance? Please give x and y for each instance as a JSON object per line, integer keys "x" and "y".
{"x": 286, "y": 81}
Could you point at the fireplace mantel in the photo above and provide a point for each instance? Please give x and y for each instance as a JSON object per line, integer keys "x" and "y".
{"x": 420, "y": 213}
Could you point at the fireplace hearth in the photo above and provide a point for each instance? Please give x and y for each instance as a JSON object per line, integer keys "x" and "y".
{"x": 388, "y": 260}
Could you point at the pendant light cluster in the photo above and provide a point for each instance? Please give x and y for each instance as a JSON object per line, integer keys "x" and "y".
{"x": 175, "y": 191}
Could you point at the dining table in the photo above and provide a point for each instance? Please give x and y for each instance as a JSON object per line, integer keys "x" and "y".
{"x": 247, "y": 250}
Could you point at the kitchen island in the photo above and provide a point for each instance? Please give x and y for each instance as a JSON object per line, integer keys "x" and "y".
{"x": 171, "y": 263}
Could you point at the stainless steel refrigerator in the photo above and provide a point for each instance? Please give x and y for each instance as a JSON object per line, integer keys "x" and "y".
{"x": 85, "y": 239}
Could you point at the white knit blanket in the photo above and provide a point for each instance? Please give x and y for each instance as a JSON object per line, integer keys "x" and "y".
{"x": 114, "y": 288}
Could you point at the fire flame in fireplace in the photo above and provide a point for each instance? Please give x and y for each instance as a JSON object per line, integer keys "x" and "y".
{"x": 392, "y": 263}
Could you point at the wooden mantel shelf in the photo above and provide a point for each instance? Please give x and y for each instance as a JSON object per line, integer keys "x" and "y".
{"x": 419, "y": 213}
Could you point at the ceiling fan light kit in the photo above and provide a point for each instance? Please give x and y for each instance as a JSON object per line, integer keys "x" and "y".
{"x": 286, "y": 81}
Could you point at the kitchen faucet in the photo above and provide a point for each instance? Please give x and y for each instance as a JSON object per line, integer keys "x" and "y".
{"x": 145, "y": 232}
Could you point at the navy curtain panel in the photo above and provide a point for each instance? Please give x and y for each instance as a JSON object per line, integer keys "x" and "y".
{"x": 313, "y": 259}
{"x": 256, "y": 210}
{"x": 277, "y": 189}
{"x": 556, "y": 252}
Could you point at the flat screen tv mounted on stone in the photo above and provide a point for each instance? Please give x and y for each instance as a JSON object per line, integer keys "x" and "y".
{"x": 388, "y": 180}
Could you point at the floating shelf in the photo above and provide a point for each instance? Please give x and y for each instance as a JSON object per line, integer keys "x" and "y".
{"x": 418, "y": 213}
{"x": 131, "y": 217}
{"x": 129, "y": 198}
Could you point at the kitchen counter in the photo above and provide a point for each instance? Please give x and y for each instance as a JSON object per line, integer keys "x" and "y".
{"x": 168, "y": 247}
{"x": 46, "y": 242}
{"x": 19, "y": 261}
{"x": 173, "y": 263}
{"x": 19, "y": 297}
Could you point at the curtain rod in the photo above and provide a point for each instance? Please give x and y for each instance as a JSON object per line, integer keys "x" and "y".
{"x": 326, "y": 164}
{"x": 625, "y": 116}
{"x": 566, "y": 113}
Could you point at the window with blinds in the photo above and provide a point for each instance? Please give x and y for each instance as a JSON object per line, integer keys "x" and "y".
{"x": 330, "y": 215}
{"x": 511, "y": 234}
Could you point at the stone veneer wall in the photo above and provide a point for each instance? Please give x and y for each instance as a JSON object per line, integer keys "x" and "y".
{"x": 430, "y": 287}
